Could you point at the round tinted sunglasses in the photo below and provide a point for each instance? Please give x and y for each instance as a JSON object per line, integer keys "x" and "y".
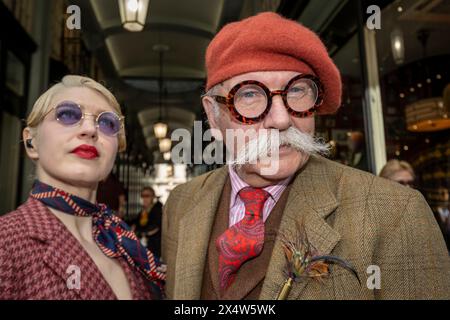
{"x": 250, "y": 101}
{"x": 69, "y": 113}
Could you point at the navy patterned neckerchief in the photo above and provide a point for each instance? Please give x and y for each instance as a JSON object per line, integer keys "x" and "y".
{"x": 112, "y": 235}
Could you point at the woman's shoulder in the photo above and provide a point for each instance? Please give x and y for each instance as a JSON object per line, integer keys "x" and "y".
{"x": 16, "y": 225}
{"x": 14, "y": 239}
{"x": 21, "y": 250}
{"x": 11, "y": 222}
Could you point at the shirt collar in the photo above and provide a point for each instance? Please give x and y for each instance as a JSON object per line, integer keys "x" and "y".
{"x": 237, "y": 184}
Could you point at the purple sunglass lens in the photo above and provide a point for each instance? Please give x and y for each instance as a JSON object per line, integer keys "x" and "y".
{"x": 68, "y": 113}
{"x": 109, "y": 123}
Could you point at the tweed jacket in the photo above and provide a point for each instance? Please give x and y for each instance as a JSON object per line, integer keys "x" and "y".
{"x": 40, "y": 258}
{"x": 385, "y": 230}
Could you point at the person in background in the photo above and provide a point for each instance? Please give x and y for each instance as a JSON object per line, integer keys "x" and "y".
{"x": 399, "y": 171}
{"x": 403, "y": 173}
{"x": 148, "y": 223}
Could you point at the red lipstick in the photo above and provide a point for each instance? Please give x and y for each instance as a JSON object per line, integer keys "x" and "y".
{"x": 86, "y": 151}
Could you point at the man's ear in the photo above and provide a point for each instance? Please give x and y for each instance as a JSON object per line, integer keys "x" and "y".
{"x": 208, "y": 106}
{"x": 30, "y": 144}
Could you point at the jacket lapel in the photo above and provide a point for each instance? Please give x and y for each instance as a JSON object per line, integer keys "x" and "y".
{"x": 221, "y": 224}
{"x": 311, "y": 200}
{"x": 194, "y": 233}
{"x": 68, "y": 259}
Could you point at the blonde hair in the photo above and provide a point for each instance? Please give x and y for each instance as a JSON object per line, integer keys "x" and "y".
{"x": 393, "y": 166}
{"x": 42, "y": 105}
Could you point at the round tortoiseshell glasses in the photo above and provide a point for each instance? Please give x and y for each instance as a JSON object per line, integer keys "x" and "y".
{"x": 250, "y": 101}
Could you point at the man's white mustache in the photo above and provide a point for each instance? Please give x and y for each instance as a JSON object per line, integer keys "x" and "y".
{"x": 267, "y": 145}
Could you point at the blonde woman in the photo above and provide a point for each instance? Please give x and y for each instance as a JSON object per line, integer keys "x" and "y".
{"x": 399, "y": 171}
{"x": 61, "y": 244}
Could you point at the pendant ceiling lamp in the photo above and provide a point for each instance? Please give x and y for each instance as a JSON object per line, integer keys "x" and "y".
{"x": 165, "y": 145}
{"x": 160, "y": 128}
{"x": 133, "y": 14}
{"x": 428, "y": 115}
{"x": 398, "y": 46}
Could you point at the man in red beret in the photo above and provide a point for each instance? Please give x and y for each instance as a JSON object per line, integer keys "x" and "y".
{"x": 242, "y": 232}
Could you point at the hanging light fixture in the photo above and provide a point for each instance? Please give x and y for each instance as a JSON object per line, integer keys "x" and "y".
{"x": 133, "y": 14}
{"x": 167, "y": 156}
{"x": 431, "y": 114}
{"x": 428, "y": 115}
{"x": 398, "y": 46}
{"x": 160, "y": 128}
{"x": 165, "y": 145}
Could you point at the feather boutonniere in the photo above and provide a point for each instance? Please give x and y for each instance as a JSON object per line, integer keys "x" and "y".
{"x": 303, "y": 261}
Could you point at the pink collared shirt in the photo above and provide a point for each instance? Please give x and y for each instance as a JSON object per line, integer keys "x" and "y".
{"x": 237, "y": 208}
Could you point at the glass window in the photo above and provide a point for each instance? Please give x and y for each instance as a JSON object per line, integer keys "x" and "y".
{"x": 345, "y": 129}
{"x": 414, "y": 65}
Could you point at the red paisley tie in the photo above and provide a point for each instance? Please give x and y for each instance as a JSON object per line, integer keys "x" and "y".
{"x": 245, "y": 239}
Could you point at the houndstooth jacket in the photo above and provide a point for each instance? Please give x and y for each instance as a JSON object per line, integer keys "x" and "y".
{"x": 40, "y": 259}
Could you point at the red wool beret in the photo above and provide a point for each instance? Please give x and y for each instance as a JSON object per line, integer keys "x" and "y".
{"x": 269, "y": 42}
